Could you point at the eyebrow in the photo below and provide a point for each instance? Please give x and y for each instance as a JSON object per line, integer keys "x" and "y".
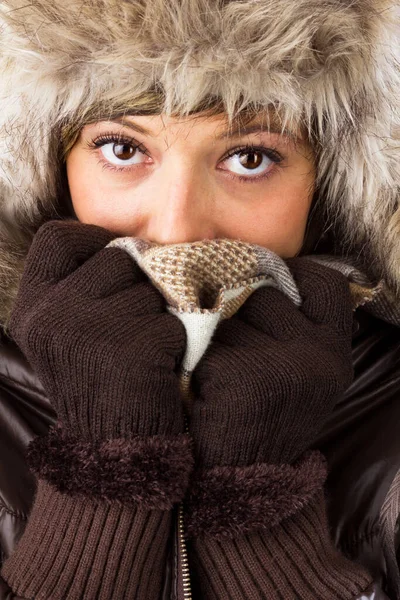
{"x": 229, "y": 134}
{"x": 258, "y": 128}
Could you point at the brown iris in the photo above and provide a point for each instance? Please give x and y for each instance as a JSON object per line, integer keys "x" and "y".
{"x": 124, "y": 151}
{"x": 254, "y": 159}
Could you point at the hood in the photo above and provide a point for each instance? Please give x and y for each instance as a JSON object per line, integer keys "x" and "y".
{"x": 332, "y": 65}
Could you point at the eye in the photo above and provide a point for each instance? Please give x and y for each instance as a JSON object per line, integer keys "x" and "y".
{"x": 252, "y": 160}
{"x": 246, "y": 164}
{"x": 117, "y": 152}
{"x": 121, "y": 153}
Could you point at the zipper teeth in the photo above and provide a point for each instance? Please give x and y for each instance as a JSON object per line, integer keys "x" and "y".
{"x": 187, "y": 592}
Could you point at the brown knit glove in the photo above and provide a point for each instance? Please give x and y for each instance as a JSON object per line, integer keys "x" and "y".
{"x": 98, "y": 334}
{"x": 264, "y": 389}
{"x": 107, "y": 352}
{"x": 255, "y": 514}
{"x": 273, "y": 372}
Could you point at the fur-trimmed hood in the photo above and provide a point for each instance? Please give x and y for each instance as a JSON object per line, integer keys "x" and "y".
{"x": 333, "y": 64}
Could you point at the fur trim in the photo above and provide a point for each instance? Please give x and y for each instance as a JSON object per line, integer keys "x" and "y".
{"x": 225, "y": 502}
{"x": 331, "y": 64}
{"x": 151, "y": 471}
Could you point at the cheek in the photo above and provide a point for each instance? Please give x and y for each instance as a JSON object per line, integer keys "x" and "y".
{"x": 93, "y": 199}
{"x": 278, "y": 222}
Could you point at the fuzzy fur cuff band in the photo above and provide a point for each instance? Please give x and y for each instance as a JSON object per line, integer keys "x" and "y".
{"x": 225, "y": 502}
{"x": 152, "y": 471}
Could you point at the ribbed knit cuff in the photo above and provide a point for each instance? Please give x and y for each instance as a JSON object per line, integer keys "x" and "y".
{"x": 152, "y": 471}
{"x": 224, "y": 502}
{"x": 295, "y": 560}
{"x": 78, "y": 548}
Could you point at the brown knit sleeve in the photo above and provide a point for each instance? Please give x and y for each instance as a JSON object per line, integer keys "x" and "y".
{"x": 84, "y": 544}
{"x": 269, "y": 539}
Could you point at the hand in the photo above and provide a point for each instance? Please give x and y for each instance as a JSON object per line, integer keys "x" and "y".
{"x": 274, "y": 372}
{"x": 98, "y": 335}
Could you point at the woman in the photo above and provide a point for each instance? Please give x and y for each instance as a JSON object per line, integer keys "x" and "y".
{"x": 176, "y": 122}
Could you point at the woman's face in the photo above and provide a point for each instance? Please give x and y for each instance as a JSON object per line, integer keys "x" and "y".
{"x": 171, "y": 180}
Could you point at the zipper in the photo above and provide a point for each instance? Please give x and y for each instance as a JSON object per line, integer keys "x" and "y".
{"x": 185, "y": 573}
{"x": 184, "y": 561}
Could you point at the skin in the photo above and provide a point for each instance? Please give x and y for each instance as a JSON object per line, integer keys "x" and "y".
{"x": 183, "y": 188}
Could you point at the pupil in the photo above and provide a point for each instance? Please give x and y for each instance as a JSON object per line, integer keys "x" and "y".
{"x": 123, "y": 151}
{"x": 253, "y": 162}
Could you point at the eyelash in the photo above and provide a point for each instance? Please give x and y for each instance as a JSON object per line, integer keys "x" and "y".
{"x": 108, "y": 138}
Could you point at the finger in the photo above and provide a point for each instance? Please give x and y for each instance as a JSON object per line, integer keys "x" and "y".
{"x": 324, "y": 291}
{"x": 236, "y": 333}
{"x": 140, "y": 297}
{"x": 221, "y": 364}
{"x": 270, "y": 311}
{"x": 107, "y": 273}
{"x": 141, "y": 312}
{"x": 210, "y": 368}
{"x": 235, "y": 346}
{"x": 60, "y": 247}
{"x": 170, "y": 339}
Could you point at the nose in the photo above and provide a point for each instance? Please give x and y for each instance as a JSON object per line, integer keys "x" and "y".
{"x": 180, "y": 207}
